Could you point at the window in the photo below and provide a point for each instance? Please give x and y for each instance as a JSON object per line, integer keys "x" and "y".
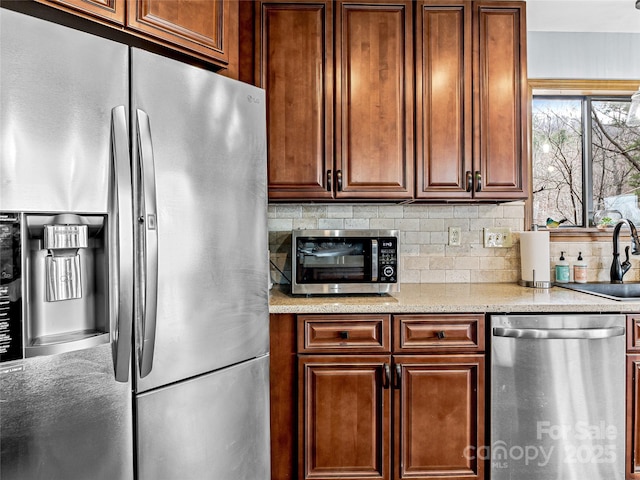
{"x": 585, "y": 159}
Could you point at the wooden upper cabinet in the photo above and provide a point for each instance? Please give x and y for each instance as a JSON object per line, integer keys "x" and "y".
{"x": 471, "y": 100}
{"x": 296, "y": 70}
{"x": 443, "y": 100}
{"x": 197, "y": 25}
{"x": 374, "y": 100}
{"x": 110, "y": 10}
{"x": 500, "y": 149}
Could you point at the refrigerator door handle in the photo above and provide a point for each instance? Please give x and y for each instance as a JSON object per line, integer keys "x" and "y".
{"x": 147, "y": 256}
{"x": 120, "y": 234}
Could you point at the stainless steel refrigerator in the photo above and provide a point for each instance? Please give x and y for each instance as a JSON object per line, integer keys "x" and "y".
{"x": 134, "y": 286}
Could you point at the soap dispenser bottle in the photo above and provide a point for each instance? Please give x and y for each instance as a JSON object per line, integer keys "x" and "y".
{"x": 562, "y": 270}
{"x": 580, "y": 270}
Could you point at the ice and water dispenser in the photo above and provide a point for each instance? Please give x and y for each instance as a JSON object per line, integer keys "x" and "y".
{"x": 54, "y": 283}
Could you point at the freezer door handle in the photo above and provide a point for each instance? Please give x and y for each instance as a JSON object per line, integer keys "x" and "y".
{"x": 147, "y": 243}
{"x": 559, "y": 333}
{"x": 120, "y": 234}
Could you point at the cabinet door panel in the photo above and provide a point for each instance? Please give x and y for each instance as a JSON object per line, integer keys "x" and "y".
{"x": 111, "y": 10}
{"x": 344, "y": 417}
{"x": 633, "y": 417}
{"x": 374, "y": 112}
{"x": 443, "y": 99}
{"x": 440, "y": 416}
{"x": 296, "y": 71}
{"x": 198, "y": 25}
{"x": 500, "y": 82}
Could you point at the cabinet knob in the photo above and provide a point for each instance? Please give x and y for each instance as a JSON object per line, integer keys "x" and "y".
{"x": 440, "y": 334}
{"x": 344, "y": 335}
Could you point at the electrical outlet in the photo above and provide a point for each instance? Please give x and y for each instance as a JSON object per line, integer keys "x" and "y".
{"x": 497, "y": 237}
{"x": 454, "y": 236}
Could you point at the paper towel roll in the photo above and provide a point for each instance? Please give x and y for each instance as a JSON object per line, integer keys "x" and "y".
{"x": 535, "y": 259}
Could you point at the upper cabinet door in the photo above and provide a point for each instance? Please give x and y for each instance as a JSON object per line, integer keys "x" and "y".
{"x": 500, "y": 149}
{"x": 111, "y": 10}
{"x": 296, "y": 70}
{"x": 196, "y": 25}
{"x": 374, "y": 100}
{"x": 443, "y": 100}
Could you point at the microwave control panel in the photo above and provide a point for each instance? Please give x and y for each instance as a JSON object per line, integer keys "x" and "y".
{"x": 388, "y": 259}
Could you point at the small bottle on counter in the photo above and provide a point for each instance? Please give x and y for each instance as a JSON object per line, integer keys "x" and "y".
{"x": 580, "y": 270}
{"x": 562, "y": 270}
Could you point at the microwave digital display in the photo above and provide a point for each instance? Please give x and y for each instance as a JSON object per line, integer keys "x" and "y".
{"x": 340, "y": 261}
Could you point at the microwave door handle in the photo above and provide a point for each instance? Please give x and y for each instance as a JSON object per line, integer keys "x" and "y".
{"x": 120, "y": 238}
{"x": 147, "y": 256}
{"x": 374, "y": 261}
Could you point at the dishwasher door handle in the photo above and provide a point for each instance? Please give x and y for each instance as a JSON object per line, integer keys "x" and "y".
{"x": 559, "y": 333}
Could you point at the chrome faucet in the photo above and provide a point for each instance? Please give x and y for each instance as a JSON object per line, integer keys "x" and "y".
{"x": 617, "y": 269}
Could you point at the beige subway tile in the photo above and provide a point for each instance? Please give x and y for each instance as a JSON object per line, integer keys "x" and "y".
{"x": 382, "y": 223}
{"x": 432, "y": 225}
{"x": 339, "y": 211}
{"x": 433, "y": 276}
{"x": 416, "y": 211}
{"x": 407, "y": 224}
{"x": 314, "y": 211}
{"x": 390, "y": 211}
{"x": 441, "y": 212}
{"x": 457, "y": 276}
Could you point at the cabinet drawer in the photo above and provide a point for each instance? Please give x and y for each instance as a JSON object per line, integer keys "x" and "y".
{"x": 451, "y": 333}
{"x": 340, "y": 333}
{"x": 633, "y": 333}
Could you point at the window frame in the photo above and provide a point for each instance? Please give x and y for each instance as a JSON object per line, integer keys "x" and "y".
{"x": 570, "y": 87}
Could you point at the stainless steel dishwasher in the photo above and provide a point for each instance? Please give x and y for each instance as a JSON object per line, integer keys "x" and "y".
{"x": 557, "y": 397}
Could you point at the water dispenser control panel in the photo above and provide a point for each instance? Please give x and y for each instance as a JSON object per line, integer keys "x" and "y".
{"x": 11, "y": 345}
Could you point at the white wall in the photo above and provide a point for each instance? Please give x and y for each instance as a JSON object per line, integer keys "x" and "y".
{"x": 587, "y": 56}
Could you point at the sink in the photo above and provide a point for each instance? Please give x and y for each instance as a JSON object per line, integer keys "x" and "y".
{"x": 624, "y": 292}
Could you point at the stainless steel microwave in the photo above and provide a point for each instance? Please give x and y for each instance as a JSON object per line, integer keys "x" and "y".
{"x": 345, "y": 261}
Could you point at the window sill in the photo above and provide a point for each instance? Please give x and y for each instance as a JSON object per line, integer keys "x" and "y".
{"x": 581, "y": 234}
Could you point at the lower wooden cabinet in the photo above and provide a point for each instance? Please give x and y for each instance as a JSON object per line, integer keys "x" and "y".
{"x": 438, "y": 416}
{"x": 633, "y": 420}
{"x": 393, "y": 415}
{"x": 345, "y": 417}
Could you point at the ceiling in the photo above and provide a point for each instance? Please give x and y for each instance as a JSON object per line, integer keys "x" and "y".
{"x": 619, "y": 16}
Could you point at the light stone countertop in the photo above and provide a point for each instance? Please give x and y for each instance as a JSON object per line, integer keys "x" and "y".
{"x": 452, "y": 298}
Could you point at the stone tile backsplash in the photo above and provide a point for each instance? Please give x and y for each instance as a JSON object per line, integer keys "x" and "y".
{"x": 426, "y": 256}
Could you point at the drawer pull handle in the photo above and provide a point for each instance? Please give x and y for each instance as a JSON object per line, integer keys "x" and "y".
{"x": 440, "y": 334}
{"x": 344, "y": 335}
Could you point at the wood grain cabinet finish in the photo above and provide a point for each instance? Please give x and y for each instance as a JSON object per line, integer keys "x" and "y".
{"x": 198, "y": 25}
{"x": 434, "y": 333}
{"x": 352, "y": 403}
{"x": 201, "y": 28}
{"x": 633, "y": 398}
{"x": 295, "y": 67}
{"x": 351, "y": 137}
{"x": 500, "y": 99}
{"x": 345, "y": 417}
{"x": 110, "y": 10}
{"x": 439, "y": 416}
{"x": 344, "y": 333}
{"x": 471, "y": 100}
{"x": 633, "y": 418}
{"x": 444, "y": 119}
{"x": 374, "y": 99}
